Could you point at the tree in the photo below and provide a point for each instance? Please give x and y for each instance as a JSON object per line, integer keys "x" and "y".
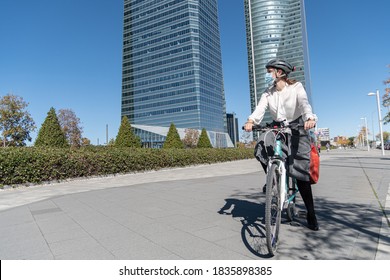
{"x": 16, "y": 123}
{"x": 386, "y": 136}
{"x": 191, "y": 138}
{"x": 342, "y": 141}
{"x": 70, "y": 125}
{"x": 351, "y": 141}
{"x": 386, "y": 101}
{"x": 51, "y": 134}
{"x": 173, "y": 140}
{"x": 204, "y": 141}
{"x": 125, "y": 136}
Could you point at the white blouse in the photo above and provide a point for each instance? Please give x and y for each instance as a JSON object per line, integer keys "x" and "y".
{"x": 288, "y": 104}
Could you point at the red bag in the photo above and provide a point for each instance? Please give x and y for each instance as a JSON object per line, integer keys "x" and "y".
{"x": 314, "y": 164}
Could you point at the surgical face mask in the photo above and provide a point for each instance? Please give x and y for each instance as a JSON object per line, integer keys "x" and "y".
{"x": 269, "y": 79}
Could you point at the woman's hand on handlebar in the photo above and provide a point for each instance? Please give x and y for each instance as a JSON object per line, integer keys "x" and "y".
{"x": 248, "y": 126}
{"x": 309, "y": 124}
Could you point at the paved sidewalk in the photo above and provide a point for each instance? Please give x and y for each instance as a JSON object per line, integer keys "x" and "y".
{"x": 200, "y": 212}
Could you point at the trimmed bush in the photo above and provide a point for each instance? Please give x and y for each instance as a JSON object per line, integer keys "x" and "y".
{"x": 36, "y": 165}
{"x": 173, "y": 140}
{"x": 126, "y": 137}
{"x": 204, "y": 141}
{"x": 50, "y": 134}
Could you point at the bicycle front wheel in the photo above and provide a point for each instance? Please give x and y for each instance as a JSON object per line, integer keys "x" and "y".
{"x": 272, "y": 209}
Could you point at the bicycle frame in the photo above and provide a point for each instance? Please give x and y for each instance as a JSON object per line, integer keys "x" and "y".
{"x": 278, "y": 159}
{"x": 280, "y": 162}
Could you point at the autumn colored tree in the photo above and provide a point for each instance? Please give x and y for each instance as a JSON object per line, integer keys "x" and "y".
{"x": 70, "y": 125}
{"x": 361, "y": 138}
{"x": 342, "y": 141}
{"x": 173, "y": 140}
{"x": 125, "y": 136}
{"x": 204, "y": 141}
{"x": 386, "y": 136}
{"x": 50, "y": 134}
{"x": 16, "y": 123}
{"x": 191, "y": 138}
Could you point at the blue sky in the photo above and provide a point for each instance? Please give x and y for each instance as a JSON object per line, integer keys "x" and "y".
{"x": 68, "y": 54}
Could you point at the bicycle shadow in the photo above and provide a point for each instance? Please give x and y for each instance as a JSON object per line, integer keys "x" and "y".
{"x": 251, "y": 216}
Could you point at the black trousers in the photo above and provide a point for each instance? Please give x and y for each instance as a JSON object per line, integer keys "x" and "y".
{"x": 307, "y": 197}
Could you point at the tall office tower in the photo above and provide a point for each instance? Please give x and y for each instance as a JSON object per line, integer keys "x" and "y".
{"x": 232, "y": 128}
{"x": 172, "y": 66}
{"x": 275, "y": 29}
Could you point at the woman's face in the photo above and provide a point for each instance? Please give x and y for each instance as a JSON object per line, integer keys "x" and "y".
{"x": 275, "y": 72}
{"x": 272, "y": 71}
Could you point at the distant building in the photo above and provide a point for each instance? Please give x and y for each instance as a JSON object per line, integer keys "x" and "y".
{"x": 232, "y": 127}
{"x": 172, "y": 65}
{"x": 323, "y": 134}
{"x": 339, "y": 138}
{"x": 275, "y": 29}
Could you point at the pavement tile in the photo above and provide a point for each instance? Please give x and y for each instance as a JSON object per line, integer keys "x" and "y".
{"x": 73, "y": 246}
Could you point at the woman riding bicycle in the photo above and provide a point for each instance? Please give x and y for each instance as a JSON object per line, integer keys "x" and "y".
{"x": 287, "y": 101}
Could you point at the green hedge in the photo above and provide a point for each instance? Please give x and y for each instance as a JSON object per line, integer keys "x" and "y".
{"x": 36, "y": 165}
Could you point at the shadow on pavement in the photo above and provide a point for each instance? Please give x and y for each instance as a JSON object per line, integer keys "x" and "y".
{"x": 347, "y": 230}
{"x": 251, "y": 216}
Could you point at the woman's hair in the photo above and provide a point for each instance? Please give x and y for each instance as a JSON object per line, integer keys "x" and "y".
{"x": 288, "y": 80}
{"x": 291, "y": 81}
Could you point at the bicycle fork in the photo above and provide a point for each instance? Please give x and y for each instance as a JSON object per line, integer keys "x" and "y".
{"x": 281, "y": 170}
{"x": 282, "y": 187}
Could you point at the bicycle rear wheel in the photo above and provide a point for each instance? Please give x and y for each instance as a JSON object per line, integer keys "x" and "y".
{"x": 272, "y": 209}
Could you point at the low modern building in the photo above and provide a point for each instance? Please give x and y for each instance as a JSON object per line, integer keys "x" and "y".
{"x": 154, "y": 136}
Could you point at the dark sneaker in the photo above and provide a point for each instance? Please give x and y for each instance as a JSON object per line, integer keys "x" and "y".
{"x": 312, "y": 223}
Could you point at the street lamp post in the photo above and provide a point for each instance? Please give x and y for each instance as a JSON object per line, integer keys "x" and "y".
{"x": 373, "y": 131}
{"x": 379, "y": 118}
{"x": 368, "y": 145}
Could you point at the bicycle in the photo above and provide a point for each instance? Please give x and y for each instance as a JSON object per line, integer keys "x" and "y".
{"x": 281, "y": 189}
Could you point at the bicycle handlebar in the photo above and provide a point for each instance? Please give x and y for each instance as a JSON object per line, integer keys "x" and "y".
{"x": 269, "y": 126}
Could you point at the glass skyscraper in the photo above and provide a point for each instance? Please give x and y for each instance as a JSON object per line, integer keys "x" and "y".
{"x": 275, "y": 29}
{"x": 172, "y": 67}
